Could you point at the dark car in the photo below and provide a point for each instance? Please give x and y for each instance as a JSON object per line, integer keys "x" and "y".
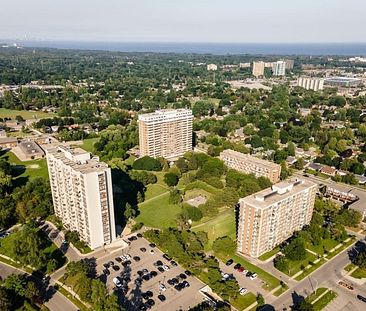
{"x": 140, "y": 273}
{"x": 150, "y": 302}
{"x": 185, "y": 284}
{"x": 118, "y": 259}
{"x": 249, "y": 274}
{"x": 115, "y": 267}
{"x": 106, "y": 265}
{"x": 143, "y": 249}
{"x": 182, "y": 276}
{"x": 161, "y": 298}
{"x": 146, "y": 277}
{"x": 237, "y": 266}
{"x": 111, "y": 263}
{"x": 136, "y": 258}
{"x": 173, "y": 263}
{"x": 161, "y": 269}
{"x": 106, "y": 272}
{"x": 359, "y": 297}
{"x": 175, "y": 281}
{"x": 158, "y": 263}
{"x": 170, "y": 282}
{"x": 188, "y": 272}
{"x": 126, "y": 263}
{"x": 132, "y": 238}
{"x": 153, "y": 273}
{"x": 152, "y": 245}
{"x": 145, "y": 271}
{"x": 229, "y": 262}
{"x": 165, "y": 256}
{"x": 178, "y": 287}
{"x": 139, "y": 235}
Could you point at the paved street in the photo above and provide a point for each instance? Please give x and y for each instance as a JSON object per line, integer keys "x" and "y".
{"x": 328, "y": 276}
{"x": 57, "y": 301}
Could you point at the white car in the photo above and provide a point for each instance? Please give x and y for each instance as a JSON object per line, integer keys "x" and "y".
{"x": 128, "y": 257}
{"x": 152, "y": 251}
{"x": 162, "y": 287}
{"x": 165, "y": 267}
{"x": 242, "y": 291}
{"x": 245, "y": 271}
{"x": 226, "y": 276}
{"x": 117, "y": 282}
{"x": 253, "y": 276}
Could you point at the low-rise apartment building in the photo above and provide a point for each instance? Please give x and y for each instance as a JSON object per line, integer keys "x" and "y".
{"x": 248, "y": 164}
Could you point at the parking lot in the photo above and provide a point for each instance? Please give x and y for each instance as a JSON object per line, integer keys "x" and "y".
{"x": 135, "y": 289}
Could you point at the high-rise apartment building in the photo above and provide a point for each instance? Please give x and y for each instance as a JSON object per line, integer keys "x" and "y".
{"x": 290, "y": 64}
{"x": 269, "y": 217}
{"x": 258, "y": 69}
{"x": 251, "y": 165}
{"x": 315, "y": 84}
{"x": 279, "y": 68}
{"x": 82, "y": 194}
{"x": 165, "y": 133}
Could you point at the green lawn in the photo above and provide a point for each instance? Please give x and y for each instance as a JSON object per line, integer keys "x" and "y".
{"x": 26, "y": 169}
{"x": 8, "y": 113}
{"x": 295, "y": 266}
{"x": 190, "y": 194}
{"x": 269, "y": 254}
{"x": 221, "y": 225}
{"x": 73, "y": 299}
{"x": 349, "y": 267}
{"x": 359, "y": 273}
{"x": 88, "y": 144}
{"x": 243, "y": 302}
{"x": 315, "y": 294}
{"x": 326, "y": 244}
{"x": 158, "y": 213}
{"x": 324, "y": 301}
{"x": 281, "y": 290}
{"x": 154, "y": 190}
{"x": 310, "y": 270}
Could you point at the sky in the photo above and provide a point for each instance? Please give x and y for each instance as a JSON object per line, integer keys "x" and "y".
{"x": 227, "y": 21}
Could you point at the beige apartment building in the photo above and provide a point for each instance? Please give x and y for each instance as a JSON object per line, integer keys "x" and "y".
{"x": 258, "y": 69}
{"x": 165, "y": 133}
{"x": 82, "y": 194}
{"x": 248, "y": 164}
{"x": 315, "y": 84}
{"x": 269, "y": 217}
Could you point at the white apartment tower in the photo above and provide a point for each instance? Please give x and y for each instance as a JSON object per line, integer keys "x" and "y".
{"x": 165, "y": 133}
{"x": 279, "y": 68}
{"x": 269, "y": 217}
{"x": 258, "y": 69}
{"x": 315, "y": 84}
{"x": 82, "y": 194}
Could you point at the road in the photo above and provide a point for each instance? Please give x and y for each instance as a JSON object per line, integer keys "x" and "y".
{"x": 57, "y": 301}
{"x": 328, "y": 276}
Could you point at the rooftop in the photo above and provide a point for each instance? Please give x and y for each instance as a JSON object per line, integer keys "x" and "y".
{"x": 165, "y": 113}
{"x": 249, "y": 158}
{"x": 277, "y": 192}
{"x": 78, "y": 159}
{"x": 30, "y": 147}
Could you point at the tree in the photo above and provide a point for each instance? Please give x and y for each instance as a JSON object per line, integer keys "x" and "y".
{"x": 295, "y": 250}
{"x": 5, "y": 302}
{"x": 182, "y": 165}
{"x": 191, "y": 212}
{"x": 147, "y": 164}
{"x": 129, "y": 212}
{"x": 260, "y": 300}
{"x": 224, "y": 245}
{"x": 281, "y": 263}
{"x": 360, "y": 259}
{"x": 175, "y": 196}
{"x": 171, "y": 179}
{"x": 303, "y": 305}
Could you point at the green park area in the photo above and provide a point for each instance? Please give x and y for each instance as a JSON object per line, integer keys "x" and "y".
{"x": 25, "y": 114}
{"x": 321, "y": 298}
{"x": 88, "y": 144}
{"x": 27, "y": 169}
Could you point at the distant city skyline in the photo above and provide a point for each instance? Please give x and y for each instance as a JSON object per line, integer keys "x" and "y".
{"x": 231, "y": 21}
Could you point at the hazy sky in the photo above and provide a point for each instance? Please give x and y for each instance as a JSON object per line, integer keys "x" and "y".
{"x": 185, "y": 20}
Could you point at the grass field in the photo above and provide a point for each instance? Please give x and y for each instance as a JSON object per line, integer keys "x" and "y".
{"x": 326, "y": 244}
{"x": 221, "y": 225}
{"x": 269, "y": 254}
{"x": 88, "y": 144}
{"x": 310, "y": 270}
{"x": 359, "y": 273}
{"x": 8, "y": 113}
{"x": 295, "y": 266}
{"x": 157, "y": 212}
{"x": 243, "y": 302}
{"x": 26, "y": 169}
{"x": 323, "y": 301}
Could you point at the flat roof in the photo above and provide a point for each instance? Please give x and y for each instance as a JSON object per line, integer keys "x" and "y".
{"x": 161, "y": 114}
{"x": 89, "y": 166}
{"x": 249, "y": 158}
{"x": 30, "y": 147}
{"x": 277, "y": 192}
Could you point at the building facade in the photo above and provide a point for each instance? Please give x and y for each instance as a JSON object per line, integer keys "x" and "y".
{"x": 279, "y": 68}
{"x": 315, "y": 84}
{"x": 82, "y": 194}
{"x": 248, "y": 164}
{"x": 269, "y": 217}
{"x": 211, "y": 67}
{"x": 165, "y": 133}
{"x": 258, "y": 69}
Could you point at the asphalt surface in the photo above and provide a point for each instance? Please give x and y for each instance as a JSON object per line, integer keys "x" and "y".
{"x": 328, "y": 275}
{"x": 57, "y": 301}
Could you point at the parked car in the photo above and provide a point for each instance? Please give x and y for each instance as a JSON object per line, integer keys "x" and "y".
{"x": 185, "y": 284}
{"x": 118, "y": 259}
{"x": 253, "y": 276}
{"x": 152, "y": 245}
{"x": 161, "y": 269}
{"x": 166, "y": 268}
{"x": 237, "y": 266}
{"x": 117, "y": 282}
{"x": 359, "y": 297}
{"x": 115, "y": 267}
{"x": 165, "y": 256}
{"x": 161, "y": 298}
{"x": 242, "y": 291}
{"x": 139, "y": 235}
{"x": 143, "y": 249}
{"x": 106, "y": 272}
{"x": 152, "y": 251}
{"x": 162, "y": 287}
{"x": 158, "y": 263}
{"x": 182, "y": 276}
{"x": 229, "y": 262}
{"x": 136, "y": 258}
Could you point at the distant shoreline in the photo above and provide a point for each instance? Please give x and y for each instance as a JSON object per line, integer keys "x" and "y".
{"x": 339, "y": 49}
